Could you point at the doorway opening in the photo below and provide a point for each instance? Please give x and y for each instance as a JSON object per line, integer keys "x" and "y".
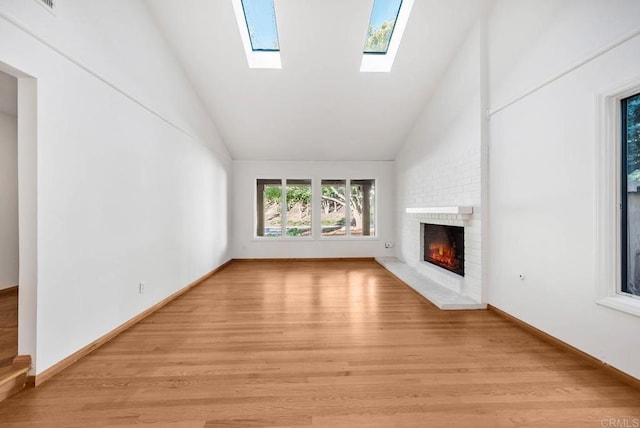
{"x": 9, "y": 227}
{"x": 23, "y": 100}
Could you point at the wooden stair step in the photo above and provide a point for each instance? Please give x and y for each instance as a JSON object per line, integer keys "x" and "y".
{"x": 13, "y": 378}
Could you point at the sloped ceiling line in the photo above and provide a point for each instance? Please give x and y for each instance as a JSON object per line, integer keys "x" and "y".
{"x": 318, "y": 106}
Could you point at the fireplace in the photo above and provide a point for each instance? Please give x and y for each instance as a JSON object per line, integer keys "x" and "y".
{"x": 443, "y": 246}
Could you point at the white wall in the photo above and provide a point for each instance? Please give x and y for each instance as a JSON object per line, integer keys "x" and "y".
{"x": 247, "y": 246}
{"x": 440, "y": 165}
{"x": 133, "y": 180}
{"x": 8, "y": 201}
{"x": 549, "y": 61}
{"x": 119, "y": 40}
{"x": 543, "y": 177}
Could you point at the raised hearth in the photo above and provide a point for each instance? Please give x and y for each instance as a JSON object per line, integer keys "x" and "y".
{"x": 440, "y": 296}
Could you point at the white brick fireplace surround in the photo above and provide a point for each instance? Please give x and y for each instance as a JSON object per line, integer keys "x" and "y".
{"x": 445, "y": 289}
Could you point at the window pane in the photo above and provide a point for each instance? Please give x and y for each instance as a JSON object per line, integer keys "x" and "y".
{"x": 269, "y": 207}
{"x": 260, "y": 16}
{"x": 631, "y": 180}
{"x": 333, "y": 207}
{"x": 381, "y": 25}
{"x": 362, "y": 207}
{"x": 298, "y": 208}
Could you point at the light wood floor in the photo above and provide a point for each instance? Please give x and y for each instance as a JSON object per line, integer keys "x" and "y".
{"x": 330, "y": 344}
{"x": 8, "y": 326}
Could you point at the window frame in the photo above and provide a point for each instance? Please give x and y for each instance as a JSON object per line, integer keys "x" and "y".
{"x": 395, "y": 20}
{"x": 266, "y": 181}
{"x": 347, "y": 216}
{"x": 255, "y": 59}
{"x": 382, "y": 63}
{"x": 275, "y": 23}
{"x": 375, "y": 210}
{"x": 610, "y": 148}
{"x": 624, "y": 198}
{"x": 284, "y": 206}
{"x": 316, "y": 215}
{"x": 347, "y": 213}
{"x": 283, "y": 216}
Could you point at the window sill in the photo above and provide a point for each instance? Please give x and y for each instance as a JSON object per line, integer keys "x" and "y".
{"x": 625, "y": 304}
{"x": 312, "y": 238}
{"x": 283, "y": 238}
{"x": 349, "y": 238}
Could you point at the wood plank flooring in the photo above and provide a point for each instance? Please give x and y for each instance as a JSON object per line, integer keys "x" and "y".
{"x": 322, "y": 343}
{"x": 8, "y": 326}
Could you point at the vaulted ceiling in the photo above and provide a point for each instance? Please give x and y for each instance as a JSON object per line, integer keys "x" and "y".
{"x": 319, "y": 106}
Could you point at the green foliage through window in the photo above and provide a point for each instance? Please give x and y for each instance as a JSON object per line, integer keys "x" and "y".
{"x": 381, "y": 25}
{"x": 346, "y": 210}
{"x": 357, "y": 204}
{"x": 378, "y": 38}
{"x": 273, "y": 193}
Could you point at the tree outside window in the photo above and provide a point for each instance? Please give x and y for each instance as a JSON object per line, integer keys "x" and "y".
{"x": 357, "y": 207}
{"x": 347, "y": 207}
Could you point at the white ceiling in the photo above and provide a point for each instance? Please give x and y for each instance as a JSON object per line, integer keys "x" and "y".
{"x": 318, "y": 106}
{"x": 8, "y": 94}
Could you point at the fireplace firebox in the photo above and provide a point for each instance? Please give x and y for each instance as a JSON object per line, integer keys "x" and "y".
{"x": 444, "y": 246}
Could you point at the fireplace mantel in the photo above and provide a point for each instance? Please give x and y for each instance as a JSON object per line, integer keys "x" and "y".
{"x": 441, "y": 210}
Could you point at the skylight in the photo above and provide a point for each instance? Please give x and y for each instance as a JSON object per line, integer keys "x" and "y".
{"x": 388, "y": 21}
{"x": 260, "y": 17}
{"x": 256, "y": 21}
{"x": 381, "y": 24}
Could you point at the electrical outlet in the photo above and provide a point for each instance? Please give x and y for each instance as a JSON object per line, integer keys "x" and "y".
{"x": 141, "y": 287}
{"x": 388, "y": 245}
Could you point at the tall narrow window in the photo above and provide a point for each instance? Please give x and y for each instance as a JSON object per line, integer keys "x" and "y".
{"x": 260, "y": 17}
{"x": 269, "y": 208}
{"x": 630, "y": 185}
{"x": 334, "y": 197}
{"x": 381, "y": 25}
{"x": 283, "y": 213}
{"x": 298, "y": 204}
{"x": 362, "y": 203}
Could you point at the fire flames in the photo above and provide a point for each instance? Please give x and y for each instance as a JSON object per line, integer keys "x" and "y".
{"x": 443, "y": 254}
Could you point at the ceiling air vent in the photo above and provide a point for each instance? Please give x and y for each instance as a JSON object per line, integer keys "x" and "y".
{"x": 50, "y": 5}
